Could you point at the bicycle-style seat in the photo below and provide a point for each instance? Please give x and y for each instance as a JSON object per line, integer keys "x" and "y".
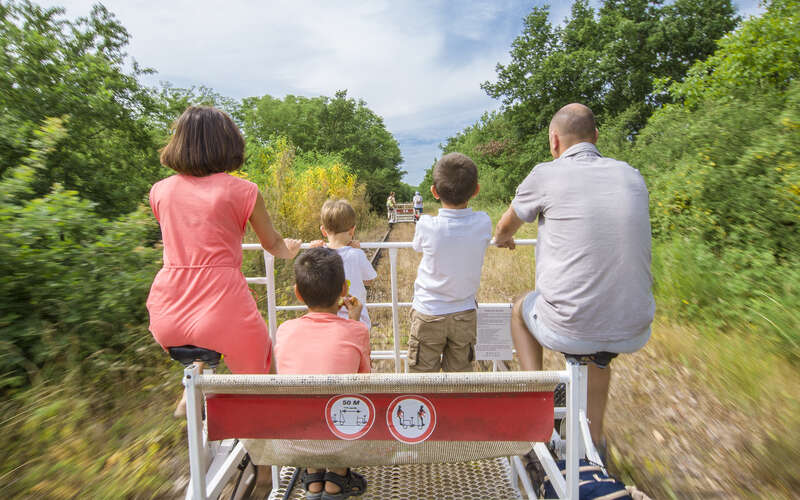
{"x": 188, "y": 354}
{"x": 601, "y": 359}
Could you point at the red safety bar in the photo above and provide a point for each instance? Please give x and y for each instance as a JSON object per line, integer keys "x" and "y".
{"x": 522, "y": 416}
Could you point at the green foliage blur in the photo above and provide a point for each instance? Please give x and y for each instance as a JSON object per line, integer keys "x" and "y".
{"x": 72, "y": 284}
{"x": 723, "y": 168}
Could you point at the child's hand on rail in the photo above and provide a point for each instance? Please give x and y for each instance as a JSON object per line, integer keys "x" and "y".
{"x": 353, "y": 306}
{"x": 292, "y": 245}
{"x": 316, "y": 244}
{"x": 355, "y": 244}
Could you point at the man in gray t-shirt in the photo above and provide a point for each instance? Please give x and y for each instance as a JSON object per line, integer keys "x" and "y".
{"x": 593, "y": 282}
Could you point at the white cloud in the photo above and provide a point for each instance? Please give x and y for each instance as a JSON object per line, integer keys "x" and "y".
{"x": 397, "y": 56}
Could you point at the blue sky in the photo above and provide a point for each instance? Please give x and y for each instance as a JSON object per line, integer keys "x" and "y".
{"x": 418, "y": 64}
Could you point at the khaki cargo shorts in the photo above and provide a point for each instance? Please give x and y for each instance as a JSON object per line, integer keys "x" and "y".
{"x": 446, "y": 341}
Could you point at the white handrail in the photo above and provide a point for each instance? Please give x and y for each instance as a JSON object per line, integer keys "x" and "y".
{"x": 379, "y": 244}
{"x": 393, "y": 246}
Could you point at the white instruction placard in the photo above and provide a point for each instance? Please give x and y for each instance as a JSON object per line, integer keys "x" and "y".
{"x": 494, "y": 333}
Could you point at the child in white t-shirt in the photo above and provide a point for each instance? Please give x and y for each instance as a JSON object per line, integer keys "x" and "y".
{"x": 444, "y": 313}
{"x": 338, "y": 226}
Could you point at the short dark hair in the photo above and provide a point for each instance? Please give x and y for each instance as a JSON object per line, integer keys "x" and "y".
{"x": 319, "y": 274}
{"x": 576, "y": 120}
{"x": 455, "y": 177}
{"x": 204, "y": 141}
{"x": 337, "y": 216}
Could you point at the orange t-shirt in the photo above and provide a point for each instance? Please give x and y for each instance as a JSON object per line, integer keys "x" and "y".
{"x": 322, "y": 343}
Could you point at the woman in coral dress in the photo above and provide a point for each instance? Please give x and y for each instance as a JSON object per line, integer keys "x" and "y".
{"x": 200, "y": 296}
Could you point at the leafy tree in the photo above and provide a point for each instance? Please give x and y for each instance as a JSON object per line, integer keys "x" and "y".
{"x": 174, "y": 101}
{"x": 607, "y": 60}
{"x": 722, "y": 162}
{"x": 490, "y": 144}
{"x": 762, "y": 57}
{"x": 340, "y": 125}
{"x": 50, "y": 66}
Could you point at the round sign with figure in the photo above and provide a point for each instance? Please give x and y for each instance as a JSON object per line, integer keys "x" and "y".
{"x": 411, "y": 418}
{"x": 349, "y": 416}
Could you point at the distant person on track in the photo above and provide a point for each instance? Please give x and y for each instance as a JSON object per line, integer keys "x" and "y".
{"x": 453, "y": 243}
{"x": 391, "y": 205}
{"x": 321, "y": 342}
{"x": 417, "y": 205}
{"x": 593, "y": 283}
{"x": 338, "y": 226}
{"x": 200, "y": 296}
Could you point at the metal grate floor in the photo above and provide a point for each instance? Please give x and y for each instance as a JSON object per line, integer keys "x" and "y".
{"x": 478, "y": 480}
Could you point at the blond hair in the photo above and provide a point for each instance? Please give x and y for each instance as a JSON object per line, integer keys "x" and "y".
{"x": 337, "y": 216}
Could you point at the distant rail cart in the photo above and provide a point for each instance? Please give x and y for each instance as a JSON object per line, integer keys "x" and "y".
{"x": 403, "y": 212}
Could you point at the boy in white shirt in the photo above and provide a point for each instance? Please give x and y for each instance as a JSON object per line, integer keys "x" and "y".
{"x": 453, "y": 243}
{"x": 338, "y": 226}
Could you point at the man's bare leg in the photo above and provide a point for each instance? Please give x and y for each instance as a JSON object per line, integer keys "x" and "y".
{"x": 528, "y": 348}
{"x": 599, "y": 381}
{"x": 530, "y": 355}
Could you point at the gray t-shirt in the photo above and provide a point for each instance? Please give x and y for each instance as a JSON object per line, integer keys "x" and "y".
{"x": 593, "y": 248}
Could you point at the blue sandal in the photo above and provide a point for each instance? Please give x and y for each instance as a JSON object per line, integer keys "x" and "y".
{"x": 316, "y": 477}
{"x": 352, "y": 484}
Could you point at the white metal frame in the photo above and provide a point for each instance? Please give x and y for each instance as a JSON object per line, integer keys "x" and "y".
{"x": 392, "y": 247}
{"x": 211, "y": 464}
{"x": 210, "y": 473}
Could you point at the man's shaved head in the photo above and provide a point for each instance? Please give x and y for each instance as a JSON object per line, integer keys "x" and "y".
{"x": 574, "y": 121}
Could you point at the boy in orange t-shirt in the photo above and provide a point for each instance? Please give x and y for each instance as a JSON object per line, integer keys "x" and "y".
{"x": 321, "y": 342}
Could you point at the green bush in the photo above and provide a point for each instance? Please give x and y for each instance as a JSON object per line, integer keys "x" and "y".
{"x": 728, "y": 174}
{"x": 71, "y": 283}
{"x": 694, "y": 284}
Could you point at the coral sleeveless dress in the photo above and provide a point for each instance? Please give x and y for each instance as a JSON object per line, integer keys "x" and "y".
{"x": 200, "y": 296}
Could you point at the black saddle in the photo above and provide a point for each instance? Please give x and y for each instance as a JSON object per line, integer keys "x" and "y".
{"x": 188, "y": 354}
{"x": 601, "y": 359}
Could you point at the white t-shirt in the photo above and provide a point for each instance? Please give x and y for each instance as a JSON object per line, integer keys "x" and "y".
{"x": 417, "y": 201}
{"x": 453, "y": 244}
{"x": 357, "y": 270}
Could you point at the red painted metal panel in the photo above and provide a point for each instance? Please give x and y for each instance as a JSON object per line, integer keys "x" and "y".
{"x": 458, "y": 417}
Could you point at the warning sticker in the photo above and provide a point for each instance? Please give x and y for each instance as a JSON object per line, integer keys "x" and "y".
{"x": 411, "y": 419}
{"x": 494, "y": 333}
{"x": 349, "y": 416}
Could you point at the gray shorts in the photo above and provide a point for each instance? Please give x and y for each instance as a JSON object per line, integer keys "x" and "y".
{"x": 561, "y": 343}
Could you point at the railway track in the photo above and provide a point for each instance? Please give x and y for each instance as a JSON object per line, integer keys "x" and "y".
{"x": 376, "y": 256}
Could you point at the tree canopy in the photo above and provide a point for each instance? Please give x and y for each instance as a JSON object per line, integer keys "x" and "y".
{"x": 607, "y": 59}
{"x": 611, "y": 59}
{"x": 341, "y": 125}
{"x": 54, "y": 67}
